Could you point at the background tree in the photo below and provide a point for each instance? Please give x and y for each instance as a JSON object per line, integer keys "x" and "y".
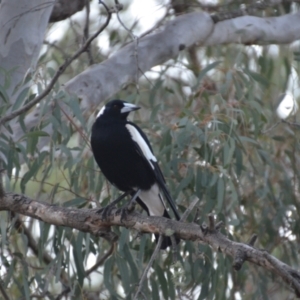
{"x": 208, "y": 78}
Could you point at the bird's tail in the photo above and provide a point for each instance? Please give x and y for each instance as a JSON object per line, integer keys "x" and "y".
{"x": 170, "y": 201}
{"x": 166, "y": 242}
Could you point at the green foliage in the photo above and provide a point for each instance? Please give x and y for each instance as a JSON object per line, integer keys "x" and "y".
{"x": 210, "y": 143}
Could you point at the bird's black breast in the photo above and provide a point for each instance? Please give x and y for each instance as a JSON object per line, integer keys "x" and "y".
{"x": 116, "y": 154}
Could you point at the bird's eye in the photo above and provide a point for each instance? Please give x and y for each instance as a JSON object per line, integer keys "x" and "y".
{"x": 115, "y": 106}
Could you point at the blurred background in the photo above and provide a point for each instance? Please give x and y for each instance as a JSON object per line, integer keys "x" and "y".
{"x": 210, "y": 115}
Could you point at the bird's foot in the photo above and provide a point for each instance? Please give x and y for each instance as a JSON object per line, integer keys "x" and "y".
{"x": 128, "y": 208}
{"x": 125, "y": 210}
{"x": 106, "y": 211}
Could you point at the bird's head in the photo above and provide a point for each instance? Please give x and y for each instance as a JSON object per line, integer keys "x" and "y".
{"x": 118, "y": 109}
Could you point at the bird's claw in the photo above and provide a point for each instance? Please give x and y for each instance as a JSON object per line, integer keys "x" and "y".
{"x": 131, "y": 206}
{"x": 106, "y": 211}
{"x": 125, "y": 210}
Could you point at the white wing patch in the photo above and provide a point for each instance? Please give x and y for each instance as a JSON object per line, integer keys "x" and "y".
{"x": 136, "y": 136}
{"x": 101, "y": 111}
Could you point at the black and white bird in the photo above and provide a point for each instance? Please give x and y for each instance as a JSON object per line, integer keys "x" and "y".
{"x": 125, "y": 157}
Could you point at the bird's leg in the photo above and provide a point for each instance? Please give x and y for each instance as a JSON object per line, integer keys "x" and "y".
{"x": 132, "y": 201}
{"x": 107, "y": 209}
{"x": 130, "y": 206}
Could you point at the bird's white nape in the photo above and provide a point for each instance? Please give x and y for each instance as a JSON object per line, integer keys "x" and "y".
{"x": 101, "y": 111}
{"x": 287, "y": 107}
{"x": 136, "y": 136}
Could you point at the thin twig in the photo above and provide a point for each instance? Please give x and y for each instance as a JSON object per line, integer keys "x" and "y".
{"x": 219, "y": 225}
{"x": 292, "y": 124}
{"x": 178, "y": 289}
{"x": 157, "y": 25}
{"x": 65, "y": 292}
{"x": 153, "y": 257}
{"x": 269, "y": 129}
{"x": 196, "y": 215}
{"x": 60, "y": 71}
{"x": 211, "y": 222}
{"x": 135, "y": 41}
{"x": 174, "y": 249}
{"x": 252, "y": 240}
{"x": 101, "y": 260}
{"x": 3, "y": 292}
{"x": 77, "y": 35}
{"x": 78, "y": 129}
{"x": 21, "y": 228}
{"x": 129, "y": 35}
{"x": 63, "y": 53}
{"x": 189, "y": 209}
{"x": 86, "y": 32}
{"x": 2, "y": 191}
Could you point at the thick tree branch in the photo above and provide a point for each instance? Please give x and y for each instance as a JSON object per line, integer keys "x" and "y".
{"x": 99, "y": 82}
{"x": 88, "y": 220}
{"x": 250, "y": 30}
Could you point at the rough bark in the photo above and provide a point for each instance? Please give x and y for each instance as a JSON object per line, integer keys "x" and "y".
{"x": 101, "y": 81}
{"x": 88, "y": 220}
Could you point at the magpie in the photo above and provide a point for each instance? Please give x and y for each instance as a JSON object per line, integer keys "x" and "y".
{"x": 125, "y": 157}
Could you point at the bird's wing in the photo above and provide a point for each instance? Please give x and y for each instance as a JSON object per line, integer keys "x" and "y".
{"x": 144, "y": 148}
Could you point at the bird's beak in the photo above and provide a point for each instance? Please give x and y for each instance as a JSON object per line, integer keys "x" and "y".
{"x": 128, "y": 107}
